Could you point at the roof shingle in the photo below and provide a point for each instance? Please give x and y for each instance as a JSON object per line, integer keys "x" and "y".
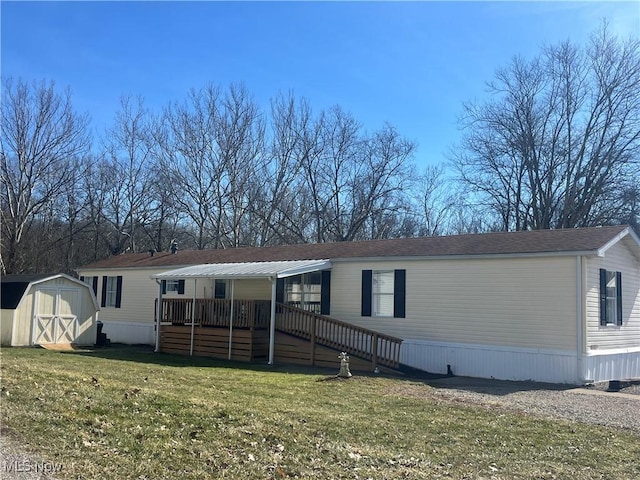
{"x": 502, "y": 243}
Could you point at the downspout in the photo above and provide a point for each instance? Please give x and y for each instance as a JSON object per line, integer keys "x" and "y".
{"x": 231, "y": 319}
{"x": 580, "y": 320}
{"x": 272, "y": 324}
{"x": 193, "y": 314}
{"x": 158, "y": 315}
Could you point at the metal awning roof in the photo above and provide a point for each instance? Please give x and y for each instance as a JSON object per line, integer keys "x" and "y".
{"x": 246, "y": 270}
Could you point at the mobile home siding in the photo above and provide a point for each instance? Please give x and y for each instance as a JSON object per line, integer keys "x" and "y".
{"x": 514, "y": 302}
{"x": 606, "y": 337}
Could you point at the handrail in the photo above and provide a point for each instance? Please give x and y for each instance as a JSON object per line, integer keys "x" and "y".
{"x": 216, "y": 312}
{"x": 378, "y": 347}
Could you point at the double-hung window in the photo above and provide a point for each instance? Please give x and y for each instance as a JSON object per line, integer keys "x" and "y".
{"x": 383, "y": 293}
{"x": 173, "y": 286}
{"x": 610, "y": 297}
{"x": 111, "y": 291}
{"x": 93, "y": 281}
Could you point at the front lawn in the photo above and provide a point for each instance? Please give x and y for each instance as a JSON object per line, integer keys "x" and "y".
{"x": 128, "y": 413}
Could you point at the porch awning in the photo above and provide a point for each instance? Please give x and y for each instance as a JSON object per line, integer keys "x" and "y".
{"x": 246, "y": 270}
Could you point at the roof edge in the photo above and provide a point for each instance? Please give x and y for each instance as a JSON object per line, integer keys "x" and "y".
{"x": 564, "y": 253}
{"x": 628, "y": 231}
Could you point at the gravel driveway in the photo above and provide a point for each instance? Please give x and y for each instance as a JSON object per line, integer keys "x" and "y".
{"x": 592, "y": 405}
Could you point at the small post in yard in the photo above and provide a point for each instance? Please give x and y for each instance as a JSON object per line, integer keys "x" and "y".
{"x": 344, "y": 366}
{"x": 374, "y": 352}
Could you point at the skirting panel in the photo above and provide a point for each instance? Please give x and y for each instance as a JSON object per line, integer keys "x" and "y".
{"x": 488, "y": 361}
{"x": 603, "y": 366}
{"x": 131, "y": 333}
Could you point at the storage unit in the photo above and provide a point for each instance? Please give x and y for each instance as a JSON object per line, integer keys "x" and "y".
{"x": 47, "y": 309}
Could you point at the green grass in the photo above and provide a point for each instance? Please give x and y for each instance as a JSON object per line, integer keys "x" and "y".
{"x": 126, "y": 413}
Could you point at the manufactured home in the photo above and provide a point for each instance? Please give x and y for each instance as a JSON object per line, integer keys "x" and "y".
{"x": 47, "y": 309}
{"x": 558, "y": 306}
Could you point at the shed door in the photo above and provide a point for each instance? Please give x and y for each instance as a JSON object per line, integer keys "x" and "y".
{"x": 55, "y": 319}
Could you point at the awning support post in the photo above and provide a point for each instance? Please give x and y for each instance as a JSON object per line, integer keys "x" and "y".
{"x": 231, "y": 319}
{"x": 158, "y": 316}
{"x": 272, "y": 324}
{"x": 193, "y": 313}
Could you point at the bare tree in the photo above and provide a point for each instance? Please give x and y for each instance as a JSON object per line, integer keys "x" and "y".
{"x": 557, "y": 145}
{"x": 41, "y": 137}
{"x": 187, "y": 149}
{"x": 240, "y": 142}
{"x": 129, "y": 160}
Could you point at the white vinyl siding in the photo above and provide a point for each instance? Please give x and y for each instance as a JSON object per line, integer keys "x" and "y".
{"x": 611, "y": 336}
{"x": 524, "y": 302}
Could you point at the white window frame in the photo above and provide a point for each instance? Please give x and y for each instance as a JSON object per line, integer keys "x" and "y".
{"x": 111, "y": 291}
{"x": 376, "y": 294}
{"x": 612, "y": 298}
{"x": 172, "y": 286}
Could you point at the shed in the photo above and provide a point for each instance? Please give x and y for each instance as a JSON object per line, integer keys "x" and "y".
{"x": 47, "y": 309}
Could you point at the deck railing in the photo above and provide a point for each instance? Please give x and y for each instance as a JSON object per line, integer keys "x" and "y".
{"x": 380, "y": 349}
{"x": 216, "y": 313}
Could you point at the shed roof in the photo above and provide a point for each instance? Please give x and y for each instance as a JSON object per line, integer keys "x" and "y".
{"x": 247, "y": 269}
{"x": 571, "y": 241}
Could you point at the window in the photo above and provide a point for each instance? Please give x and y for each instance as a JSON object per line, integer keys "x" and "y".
{"x": 176, "y": 286}
{"x": 111, "y": 291}
{"x": 93, "y": 281}
{"x": 172, "y": 285}
{"x": 310, "y": 291}
{"x": 383, "y": 293}
{"x": 304, "y": 291}
{"x": 220, "y": 289}
{"x": 610, "y": 297}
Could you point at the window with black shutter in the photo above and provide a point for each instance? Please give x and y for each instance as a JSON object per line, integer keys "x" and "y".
{"x": 610, "y": 297}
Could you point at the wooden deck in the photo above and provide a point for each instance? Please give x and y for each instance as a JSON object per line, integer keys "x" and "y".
{"x": 302, "y": 337}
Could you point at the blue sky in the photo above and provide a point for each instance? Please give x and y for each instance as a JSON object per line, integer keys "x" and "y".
{"x": 410, "y": 64}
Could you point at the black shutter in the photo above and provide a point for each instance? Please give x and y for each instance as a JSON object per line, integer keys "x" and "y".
{"x": 81, "y": 278}
{"x": 181, "y": 287}
{"x": 367, "y": 280}
{"x": 603, "y": 296}
{"x": 164, "y": 286}
{"x": 280, "y": 290}
{"x": 619, "y": 296}
{"x": 95, "y": 286}
{"x": 103, "y": 302}
{"x": 399, "y": 293}
{"x": 325, "y": 293}
{"x": 119, "y": 291}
